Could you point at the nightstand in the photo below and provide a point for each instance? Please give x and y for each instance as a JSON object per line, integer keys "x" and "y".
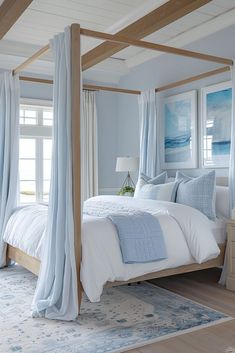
{"x": 230, "y": 282}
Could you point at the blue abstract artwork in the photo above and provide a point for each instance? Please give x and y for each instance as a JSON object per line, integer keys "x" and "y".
{"x": 179, "y": 126}
{"x": 217, "y": 125}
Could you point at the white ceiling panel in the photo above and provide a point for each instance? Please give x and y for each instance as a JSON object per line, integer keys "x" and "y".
{"x": 45, "y": 18}
{"x": 178, "y": 28}
{"x": 210, "y": 9}
{"x": 225, "y": 4}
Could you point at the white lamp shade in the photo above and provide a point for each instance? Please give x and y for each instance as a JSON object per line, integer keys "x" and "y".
{"x": 127, "y": 164}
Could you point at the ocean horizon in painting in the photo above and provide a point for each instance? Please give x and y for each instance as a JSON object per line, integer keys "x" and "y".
{"x": 218, "y": 126}
{"x": 178, "y": 131}
{"x": 219, "y": 109}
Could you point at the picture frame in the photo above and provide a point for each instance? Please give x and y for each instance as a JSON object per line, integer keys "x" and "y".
{"x": 216, "y": 115}
{"x": 179, "y": 131}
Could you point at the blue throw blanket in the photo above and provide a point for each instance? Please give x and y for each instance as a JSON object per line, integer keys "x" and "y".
{"x": 141, "y": 237}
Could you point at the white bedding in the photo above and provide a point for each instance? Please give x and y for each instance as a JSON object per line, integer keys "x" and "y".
{"x": 187, "y": 232}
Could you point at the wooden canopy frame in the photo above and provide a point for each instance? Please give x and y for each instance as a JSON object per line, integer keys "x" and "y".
{"x": 76, "y": 31}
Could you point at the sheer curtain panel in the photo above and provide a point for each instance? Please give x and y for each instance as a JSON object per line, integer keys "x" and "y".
{"x": 231, "y": 180}
{"x": 232, "y": 147}
{"x": 9, "y": 151}
{"x": 89, "y": 155}
{"x": 149, "y": 134}
{"x": 56, "y": 292}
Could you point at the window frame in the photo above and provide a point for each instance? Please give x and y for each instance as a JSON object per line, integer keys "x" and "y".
{"x": 39, "y": 132}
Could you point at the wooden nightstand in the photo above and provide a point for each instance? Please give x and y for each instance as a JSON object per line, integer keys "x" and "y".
{"x": 230, "y": 282}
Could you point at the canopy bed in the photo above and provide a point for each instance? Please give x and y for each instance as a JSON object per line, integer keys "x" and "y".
{"x": 68, "y": 104}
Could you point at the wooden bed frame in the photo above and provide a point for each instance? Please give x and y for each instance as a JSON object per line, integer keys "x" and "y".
{"x": 33, "y": 264}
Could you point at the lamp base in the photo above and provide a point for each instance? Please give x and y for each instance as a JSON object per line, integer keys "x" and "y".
{"x": 128, "y": 186}
{"x": 128, "y": 182}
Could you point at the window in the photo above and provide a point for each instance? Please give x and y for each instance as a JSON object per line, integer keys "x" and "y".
{"x": 36, "y": 119}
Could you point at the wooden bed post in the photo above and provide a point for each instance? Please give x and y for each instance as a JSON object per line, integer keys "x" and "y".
{"x": 76, "y": 146}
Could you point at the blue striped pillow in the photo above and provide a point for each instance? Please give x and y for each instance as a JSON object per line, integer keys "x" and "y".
{"x": 197, "y": 192}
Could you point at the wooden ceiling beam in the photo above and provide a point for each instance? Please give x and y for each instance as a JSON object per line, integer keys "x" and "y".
{"x": 152, "y": 22}
{"x": 10, "y": 11}
{"x": 153, "y": 46}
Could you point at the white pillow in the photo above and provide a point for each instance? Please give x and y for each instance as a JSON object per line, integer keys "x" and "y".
{"x": 222, "y": 202}
{"x": 144, "y": 179}
{"x": 161, "y": 192}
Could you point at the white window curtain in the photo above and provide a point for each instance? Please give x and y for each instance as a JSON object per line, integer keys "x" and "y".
{"x": 149, "y": 134}
{"x": 9, "y": 151}
{"x": 56, "y": 292}
{"x": 89, "y": 147}
{"x": 231, "y": 171}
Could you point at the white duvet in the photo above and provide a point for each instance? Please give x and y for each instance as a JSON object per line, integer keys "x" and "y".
{"x": 187, "y": 233}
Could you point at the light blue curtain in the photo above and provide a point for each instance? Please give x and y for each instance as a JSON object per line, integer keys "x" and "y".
{"x": 232, "y": 147}
{"x": 56, "y": 292}
{"x": 149, "y": 134}
{"x": 89, "y": 144}
{"x": 231, "y": 180}
{"x": 9, "y": 151}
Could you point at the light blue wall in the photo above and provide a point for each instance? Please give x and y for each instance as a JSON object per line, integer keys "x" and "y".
{"x": 35, "y": 90}
{"x": 166, "y": 69}
{"x": 107, "y": 140}
{"x": 118, "y": 115}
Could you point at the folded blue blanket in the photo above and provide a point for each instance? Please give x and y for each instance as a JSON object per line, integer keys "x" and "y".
{"x": 141, "y": 237}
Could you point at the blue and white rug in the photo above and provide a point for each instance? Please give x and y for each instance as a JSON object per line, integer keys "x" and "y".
{"x": 126, "y": 317}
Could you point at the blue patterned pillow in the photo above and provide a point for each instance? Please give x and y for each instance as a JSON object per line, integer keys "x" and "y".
{"x": 144, "y": 179}
{"x": 197, "y": 192}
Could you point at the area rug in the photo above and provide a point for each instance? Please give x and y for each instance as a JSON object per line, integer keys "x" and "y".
{"x": 126, "y": 317}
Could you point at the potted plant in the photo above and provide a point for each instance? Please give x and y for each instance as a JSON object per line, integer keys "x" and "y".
{"x": 126, "y": 191}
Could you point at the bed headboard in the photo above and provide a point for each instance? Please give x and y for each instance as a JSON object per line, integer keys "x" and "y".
{"x": 222, "y": 181}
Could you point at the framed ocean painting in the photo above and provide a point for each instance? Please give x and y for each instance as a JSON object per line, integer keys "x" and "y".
{"x": 216, "y": 125}
{"x": 179, "y": 131}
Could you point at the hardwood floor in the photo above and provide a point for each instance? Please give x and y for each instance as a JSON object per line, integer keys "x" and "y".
{"x": 201, "y": 287}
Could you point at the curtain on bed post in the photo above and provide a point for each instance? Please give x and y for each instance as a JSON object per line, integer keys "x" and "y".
{"x": 231, "y": 179}
{"x": 149, "y": 134}
{"x": 232, "y": 147}
{"x": 89, "y": 153}
{"x": 9, "y": 151}
{"x": 56, "y": 293}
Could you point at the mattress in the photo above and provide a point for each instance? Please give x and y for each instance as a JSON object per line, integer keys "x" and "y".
{"x": 102, "y": 259}
{"x": 219, "y": 230}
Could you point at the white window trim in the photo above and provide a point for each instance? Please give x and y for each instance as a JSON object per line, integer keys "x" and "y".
{"x": 39, "y": 132}
{"x": 33, "y": 101}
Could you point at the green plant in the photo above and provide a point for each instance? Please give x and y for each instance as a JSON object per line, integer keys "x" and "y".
{"x": 126, "y": 190}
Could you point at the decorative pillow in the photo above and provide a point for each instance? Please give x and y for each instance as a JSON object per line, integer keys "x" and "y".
{"x": 161, "y": 192}
{"x": 222, "y": 202}
{"x": 197, "y": 192}
{"x": 144, "y": 179}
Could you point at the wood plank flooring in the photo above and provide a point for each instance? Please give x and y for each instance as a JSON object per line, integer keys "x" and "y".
{"x": 203, "y": 288}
